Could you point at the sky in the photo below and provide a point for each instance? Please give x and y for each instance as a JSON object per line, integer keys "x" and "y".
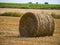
{"x": 33, "y": 1}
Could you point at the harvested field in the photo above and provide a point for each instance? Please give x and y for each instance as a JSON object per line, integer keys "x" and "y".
{"x": 9, "y": 29}
{"x": 42, "y": 11}
{"x": 9, "y": 33}
{"x": 9, "y": 26}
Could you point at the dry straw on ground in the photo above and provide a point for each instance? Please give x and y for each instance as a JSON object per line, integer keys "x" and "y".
{"x": 35, "y": 25}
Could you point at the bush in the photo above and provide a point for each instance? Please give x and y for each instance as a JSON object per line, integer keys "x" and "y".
{"x": 11, "y": 14}
{"x": 57, "y": 16}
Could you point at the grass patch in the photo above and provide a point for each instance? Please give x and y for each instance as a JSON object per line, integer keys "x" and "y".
{"x": 11, "y": 14}
{"x": 57, "y": 16}
{"x": 30, "y": 6}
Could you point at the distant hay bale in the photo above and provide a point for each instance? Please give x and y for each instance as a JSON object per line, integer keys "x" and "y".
{"x": 35, "y": 25}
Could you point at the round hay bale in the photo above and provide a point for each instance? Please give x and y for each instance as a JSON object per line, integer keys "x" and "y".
{"x": 35, "y": 25}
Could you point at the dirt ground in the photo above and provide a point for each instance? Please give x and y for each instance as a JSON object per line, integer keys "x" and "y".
{"x": 9, "y": 30}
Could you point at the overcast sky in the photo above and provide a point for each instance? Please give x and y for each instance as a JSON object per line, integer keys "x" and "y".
{"x": 26, "y": 1}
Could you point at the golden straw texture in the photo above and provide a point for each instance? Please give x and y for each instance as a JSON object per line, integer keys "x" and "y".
{"x": 35, "y": 25}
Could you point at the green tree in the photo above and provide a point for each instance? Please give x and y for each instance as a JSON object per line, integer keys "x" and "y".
{"x": 30, "y": 2}
{"x": 46, "y": 2}
{"x": 36, "y": 2}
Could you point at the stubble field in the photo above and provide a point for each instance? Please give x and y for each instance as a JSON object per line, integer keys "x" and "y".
{"x": 9, "y": 30}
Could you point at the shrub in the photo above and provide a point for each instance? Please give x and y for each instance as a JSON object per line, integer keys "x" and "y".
{"x": 57, "y": 16}
{"x": 11, "y": 14}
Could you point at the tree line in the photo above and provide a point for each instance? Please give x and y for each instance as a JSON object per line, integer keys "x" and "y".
{"x": 38, "y": 3}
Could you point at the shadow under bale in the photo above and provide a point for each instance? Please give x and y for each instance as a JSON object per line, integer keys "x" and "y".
{"x": 36, "y": 25}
